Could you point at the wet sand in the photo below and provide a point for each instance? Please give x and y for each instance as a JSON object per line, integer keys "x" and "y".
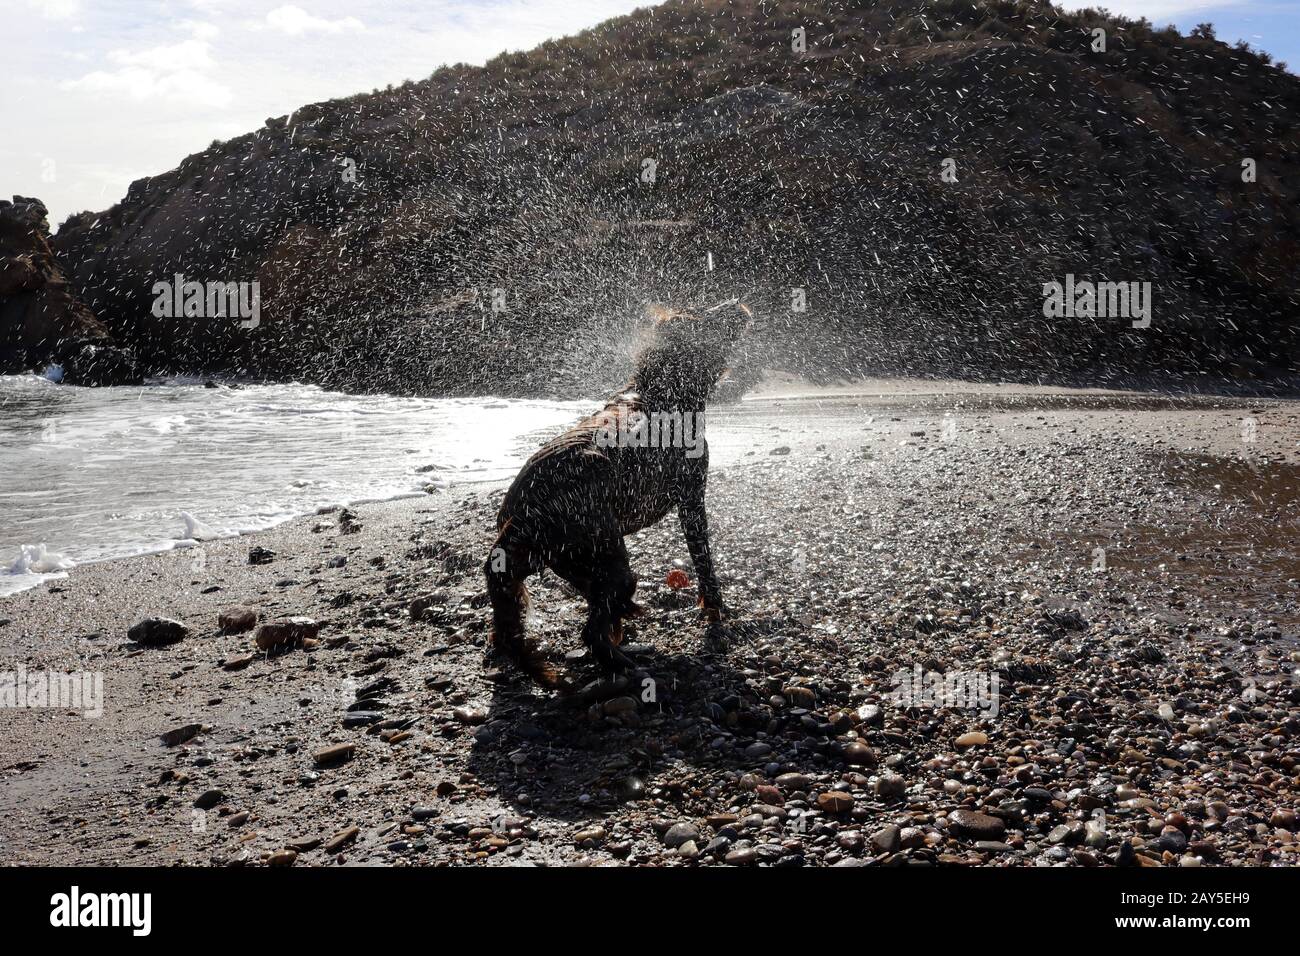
{"x": 1126, "y": 565}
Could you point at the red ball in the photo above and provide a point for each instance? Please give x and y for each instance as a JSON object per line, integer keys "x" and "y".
{"x": 677, "y": 579}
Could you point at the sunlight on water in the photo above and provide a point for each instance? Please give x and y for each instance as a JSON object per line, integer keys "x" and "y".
{"x": 94, "y": 474}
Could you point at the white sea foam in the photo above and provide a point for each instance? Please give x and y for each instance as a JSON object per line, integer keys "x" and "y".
{"x": 196, "y": 530}
{"x": 106, "y": 473}
{"x": 34, "y": 565}
{"x": 38, "y": 559}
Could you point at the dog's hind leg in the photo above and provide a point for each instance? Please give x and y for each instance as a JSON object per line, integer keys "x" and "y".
{"x": 610, "y": 585}
{"x": 509, "y": 563}
{"x": 602, "y": 573}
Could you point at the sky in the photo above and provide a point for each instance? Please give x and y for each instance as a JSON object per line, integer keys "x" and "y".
{"x": 98, "y": 93}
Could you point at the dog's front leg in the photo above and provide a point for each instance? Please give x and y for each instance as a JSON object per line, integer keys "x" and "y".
{"x": 695, "y": 525}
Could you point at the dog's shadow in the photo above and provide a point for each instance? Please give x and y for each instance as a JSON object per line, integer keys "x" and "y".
{"x": 641, "y": 736}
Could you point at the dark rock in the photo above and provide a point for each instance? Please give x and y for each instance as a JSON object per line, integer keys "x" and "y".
{"x": 679, "y": 834}
{"x": 859, "y": 755}
{"x": 285, "y": 633}
{"x": 973, "y": 825}
{"x": 42, "y": 320}
{"x": 174, "y": 738}
{"x": 237, "y": 620}
{"x": 157, "y": 632}
{"x": 886, "y": 840}
{"x": 209, "y": 799}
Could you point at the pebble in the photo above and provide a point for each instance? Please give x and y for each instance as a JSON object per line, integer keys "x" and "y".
{"x": 335, "y": 754}
{"x": 472, "y": 716}
{"x": 870, "y": 714}
{"x": 237, "y": 620}
{"x": 974, "y": 738}
{"x": 800, "y": 696}
{"x": 157, "y": 631}
{"x": 974, "y": 825}
{"x": 1060, "y": 834}
{"x": 835, "y": 801}
{"x": 889, "y": 786}
{"x": 680, "y": 833}
{"x": 590, "y": 836}
{"x": 178, "y": 736}
{"x": 238, "y": 663}
{"x": 886, "y": 840}
{"x": 341, "y": 839}
{"x": 209, "y": 799}
{"x": 285, "y": 633}
{"x": 859, "y": 755}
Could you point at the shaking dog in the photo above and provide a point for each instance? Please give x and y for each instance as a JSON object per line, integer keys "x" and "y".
{"x": 620, "y": 470}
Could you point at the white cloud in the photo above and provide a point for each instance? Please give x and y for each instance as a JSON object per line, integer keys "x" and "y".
{"x": 296, "y": 21}
{"x": 173, "y": 72}
{"x": 186, "y": 55}
{"x": 138, "y": 83}
{"x": 57, "y": 9}
{"x": 199, "y": 29}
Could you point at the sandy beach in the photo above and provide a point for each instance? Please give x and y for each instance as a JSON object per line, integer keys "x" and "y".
{"x": 1123, "y": 568}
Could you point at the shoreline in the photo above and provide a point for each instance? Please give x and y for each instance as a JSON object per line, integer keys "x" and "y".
{"x": 777, "y": 390}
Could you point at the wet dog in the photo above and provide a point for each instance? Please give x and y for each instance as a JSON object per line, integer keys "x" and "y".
{"x": 614, "y": 473}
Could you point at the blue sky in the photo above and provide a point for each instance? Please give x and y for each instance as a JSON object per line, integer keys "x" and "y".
{"x": 1272, "y": 25}
{"x": 97, "y": 93}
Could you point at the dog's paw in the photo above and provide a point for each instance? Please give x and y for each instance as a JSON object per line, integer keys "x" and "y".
{"x": 612, "y": 659}
{"x": 528, "y": 657}
{"x": 717, "y": 638}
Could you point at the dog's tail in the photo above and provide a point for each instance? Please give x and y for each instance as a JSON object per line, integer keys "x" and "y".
{"x": 506, "y": 568}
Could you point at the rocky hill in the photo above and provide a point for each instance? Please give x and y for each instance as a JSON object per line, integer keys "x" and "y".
{"x": 916, "y": 172}
{"x": 42, "y": 322}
